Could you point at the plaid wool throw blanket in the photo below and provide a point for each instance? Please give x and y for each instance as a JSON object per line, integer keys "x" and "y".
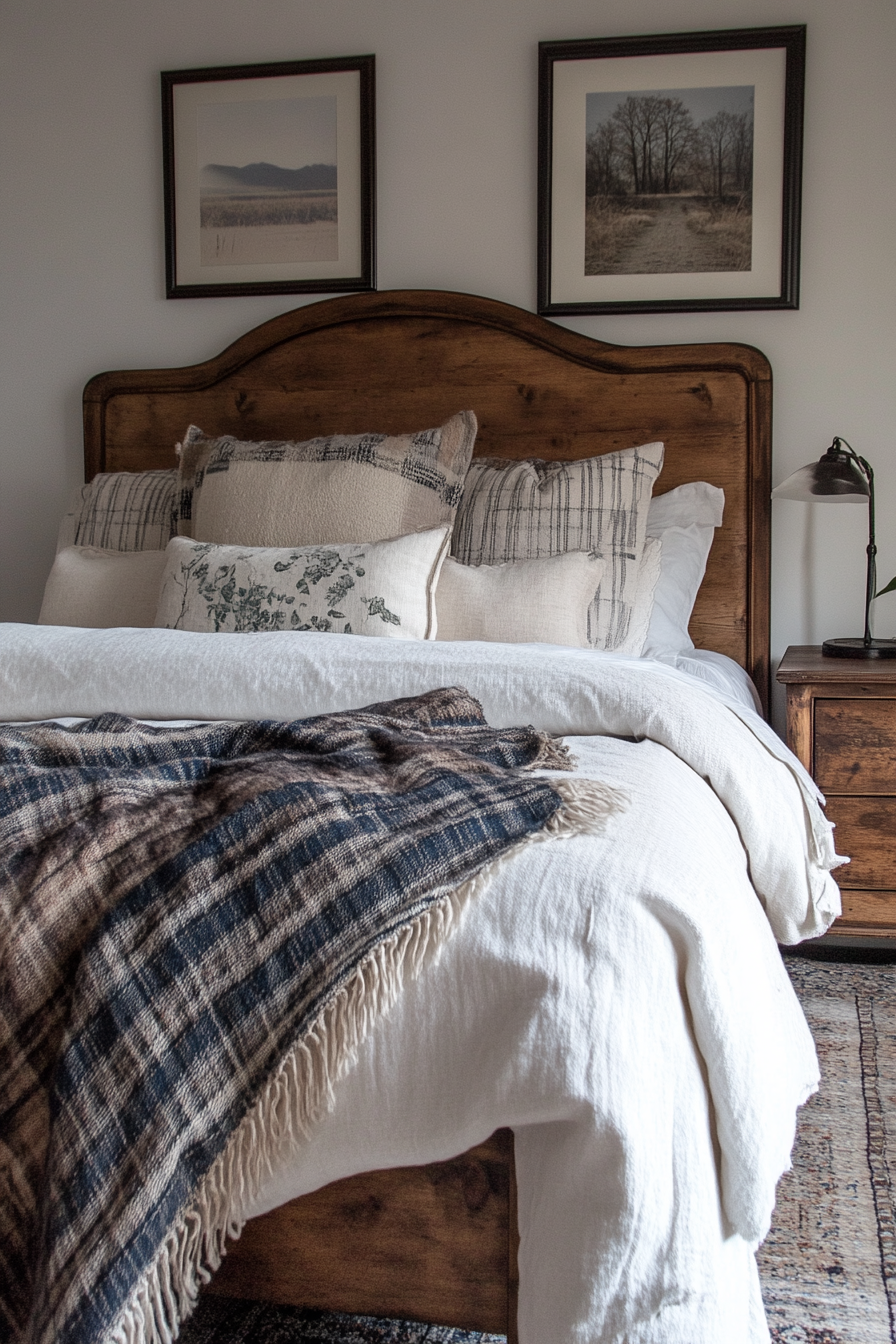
{"x": 199, "y": 924}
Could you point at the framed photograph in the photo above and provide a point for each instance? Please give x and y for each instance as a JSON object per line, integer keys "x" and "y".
{"x": 269, "y": 178}
{"x": 669, "y": 172}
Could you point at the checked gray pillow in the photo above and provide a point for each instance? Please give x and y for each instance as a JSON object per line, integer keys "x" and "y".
{"x": 522, "y": 510}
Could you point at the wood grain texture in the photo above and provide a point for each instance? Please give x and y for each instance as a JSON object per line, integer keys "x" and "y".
{"x": 841, "y": 723}
{"x": 866, "y": 831}
{"x": 855, "y": 749}
{"x": 408, "y": 360}
{"x": 800, "y": 736}
{"x": 435, "y": 1243}
{"x": 866, "y": 914}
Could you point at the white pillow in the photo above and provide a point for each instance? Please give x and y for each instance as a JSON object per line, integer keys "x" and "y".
{"x": 542, "y": 601}
{"x": 90, "y": 586}
{"x": 684, "y": 520}
{"x": 361, "y": 588}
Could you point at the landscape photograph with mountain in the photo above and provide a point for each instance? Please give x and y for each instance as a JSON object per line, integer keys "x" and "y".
{"x": 267, "y": 181}
{"x": 669, "y": 181}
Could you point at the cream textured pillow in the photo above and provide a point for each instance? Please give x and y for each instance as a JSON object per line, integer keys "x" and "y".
{"x": 524, "y": 510}
{"x": 362, "y": 487}
{"x": 368, "y": 588}
{"x": 530, "y": 602}
{"x": 99, "y": 588}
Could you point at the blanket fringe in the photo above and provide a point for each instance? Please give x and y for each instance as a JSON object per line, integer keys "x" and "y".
{"x": 553, "y": 754}
{"x": 302, "y": 1088}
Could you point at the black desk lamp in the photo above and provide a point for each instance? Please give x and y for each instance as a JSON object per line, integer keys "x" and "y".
{"x": 842, "y": 477}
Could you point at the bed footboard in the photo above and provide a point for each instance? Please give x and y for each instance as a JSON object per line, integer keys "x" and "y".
{"x": 436, "y": 1243}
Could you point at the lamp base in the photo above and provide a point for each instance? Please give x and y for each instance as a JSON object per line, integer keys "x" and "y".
{"x": 857, "y": 648}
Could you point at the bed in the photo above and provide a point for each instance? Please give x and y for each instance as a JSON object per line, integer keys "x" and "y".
{"x": 427, "y": 1210}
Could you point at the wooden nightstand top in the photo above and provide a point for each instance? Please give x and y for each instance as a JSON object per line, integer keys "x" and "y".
{"x": 807, "y": 663}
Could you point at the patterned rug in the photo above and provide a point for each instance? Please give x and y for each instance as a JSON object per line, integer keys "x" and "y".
{"x": 219, "y": 1320}
{"x": 828, "y": 1266}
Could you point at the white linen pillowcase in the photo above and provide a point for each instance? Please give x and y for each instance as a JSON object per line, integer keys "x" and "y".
{"x": 98, "y": 588}
{"x": 684, "y": 520}
{"x": 526, "y": 509}
{"x": 363, "y": 588}
{"x": 541, "y": 601}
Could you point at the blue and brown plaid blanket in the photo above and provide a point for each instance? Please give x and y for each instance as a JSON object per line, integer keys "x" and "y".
{"x": 198, "y": 925}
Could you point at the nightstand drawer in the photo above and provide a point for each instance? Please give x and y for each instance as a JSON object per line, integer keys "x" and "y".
{"x": 841, "y": 723}
{"x": 855, "y": 746}
{"x": 866, "y": 831}
{"x": 870, "y": 912}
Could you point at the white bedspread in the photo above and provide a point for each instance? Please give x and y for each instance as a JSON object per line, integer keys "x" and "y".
{"x": 619, "y": 1000}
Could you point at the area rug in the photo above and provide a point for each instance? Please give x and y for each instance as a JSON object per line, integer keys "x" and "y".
{"x": 220, "y": 1320}
{"x": 828, "y": 1266}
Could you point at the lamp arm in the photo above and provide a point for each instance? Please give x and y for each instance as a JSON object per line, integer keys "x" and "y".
{"x": 871, "y": 550}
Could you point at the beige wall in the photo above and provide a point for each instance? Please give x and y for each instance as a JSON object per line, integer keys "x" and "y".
{"x": 82, "y": 244}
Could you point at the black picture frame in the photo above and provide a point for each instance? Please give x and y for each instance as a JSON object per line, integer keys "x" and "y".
{"x": 244, "y": 223}
{"x": 592, "y": 93}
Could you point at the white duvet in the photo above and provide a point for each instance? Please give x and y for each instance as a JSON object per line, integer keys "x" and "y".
{"x": 619, "y": 1000}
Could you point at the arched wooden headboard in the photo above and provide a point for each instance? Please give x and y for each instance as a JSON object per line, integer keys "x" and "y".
{"x": 403, "y": 360}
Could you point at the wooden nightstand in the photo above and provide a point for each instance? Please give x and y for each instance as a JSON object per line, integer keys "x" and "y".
{"x": 841, "y": 723}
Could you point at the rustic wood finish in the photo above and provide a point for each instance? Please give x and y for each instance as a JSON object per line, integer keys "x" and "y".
{"x": 437, "y": 1244}
{"x": 408, "y": 360}
{"x": 855, "y": 746}
{"x": 841, "y": 723}
{"x": 866, "y": 831}
{"x": 866, "y": 914}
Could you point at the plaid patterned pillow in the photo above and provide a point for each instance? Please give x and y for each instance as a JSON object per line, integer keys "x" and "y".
{"x": 122, "y": 511}
{"x": 522, "y": 510}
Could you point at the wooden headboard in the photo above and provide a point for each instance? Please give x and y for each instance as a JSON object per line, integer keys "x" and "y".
{"x": 403, "y": 360}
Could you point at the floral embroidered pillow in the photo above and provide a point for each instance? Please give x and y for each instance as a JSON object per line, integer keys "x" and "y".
{"x": 364, "y": 588}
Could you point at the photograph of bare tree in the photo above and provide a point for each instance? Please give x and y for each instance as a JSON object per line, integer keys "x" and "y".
{"x": 668, "y": 181}
{"x": 669, "y": 171}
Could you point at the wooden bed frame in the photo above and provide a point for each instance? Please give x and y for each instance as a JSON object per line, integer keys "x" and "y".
{"x": 439, "y": 1243}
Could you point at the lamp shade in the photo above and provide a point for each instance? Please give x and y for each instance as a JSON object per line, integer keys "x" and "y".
{"x": 835, "y": 478}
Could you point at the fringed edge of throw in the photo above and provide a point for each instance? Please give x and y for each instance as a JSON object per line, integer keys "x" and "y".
{"x": 553, "y": 754}
{"x": 301, "y": 1089}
